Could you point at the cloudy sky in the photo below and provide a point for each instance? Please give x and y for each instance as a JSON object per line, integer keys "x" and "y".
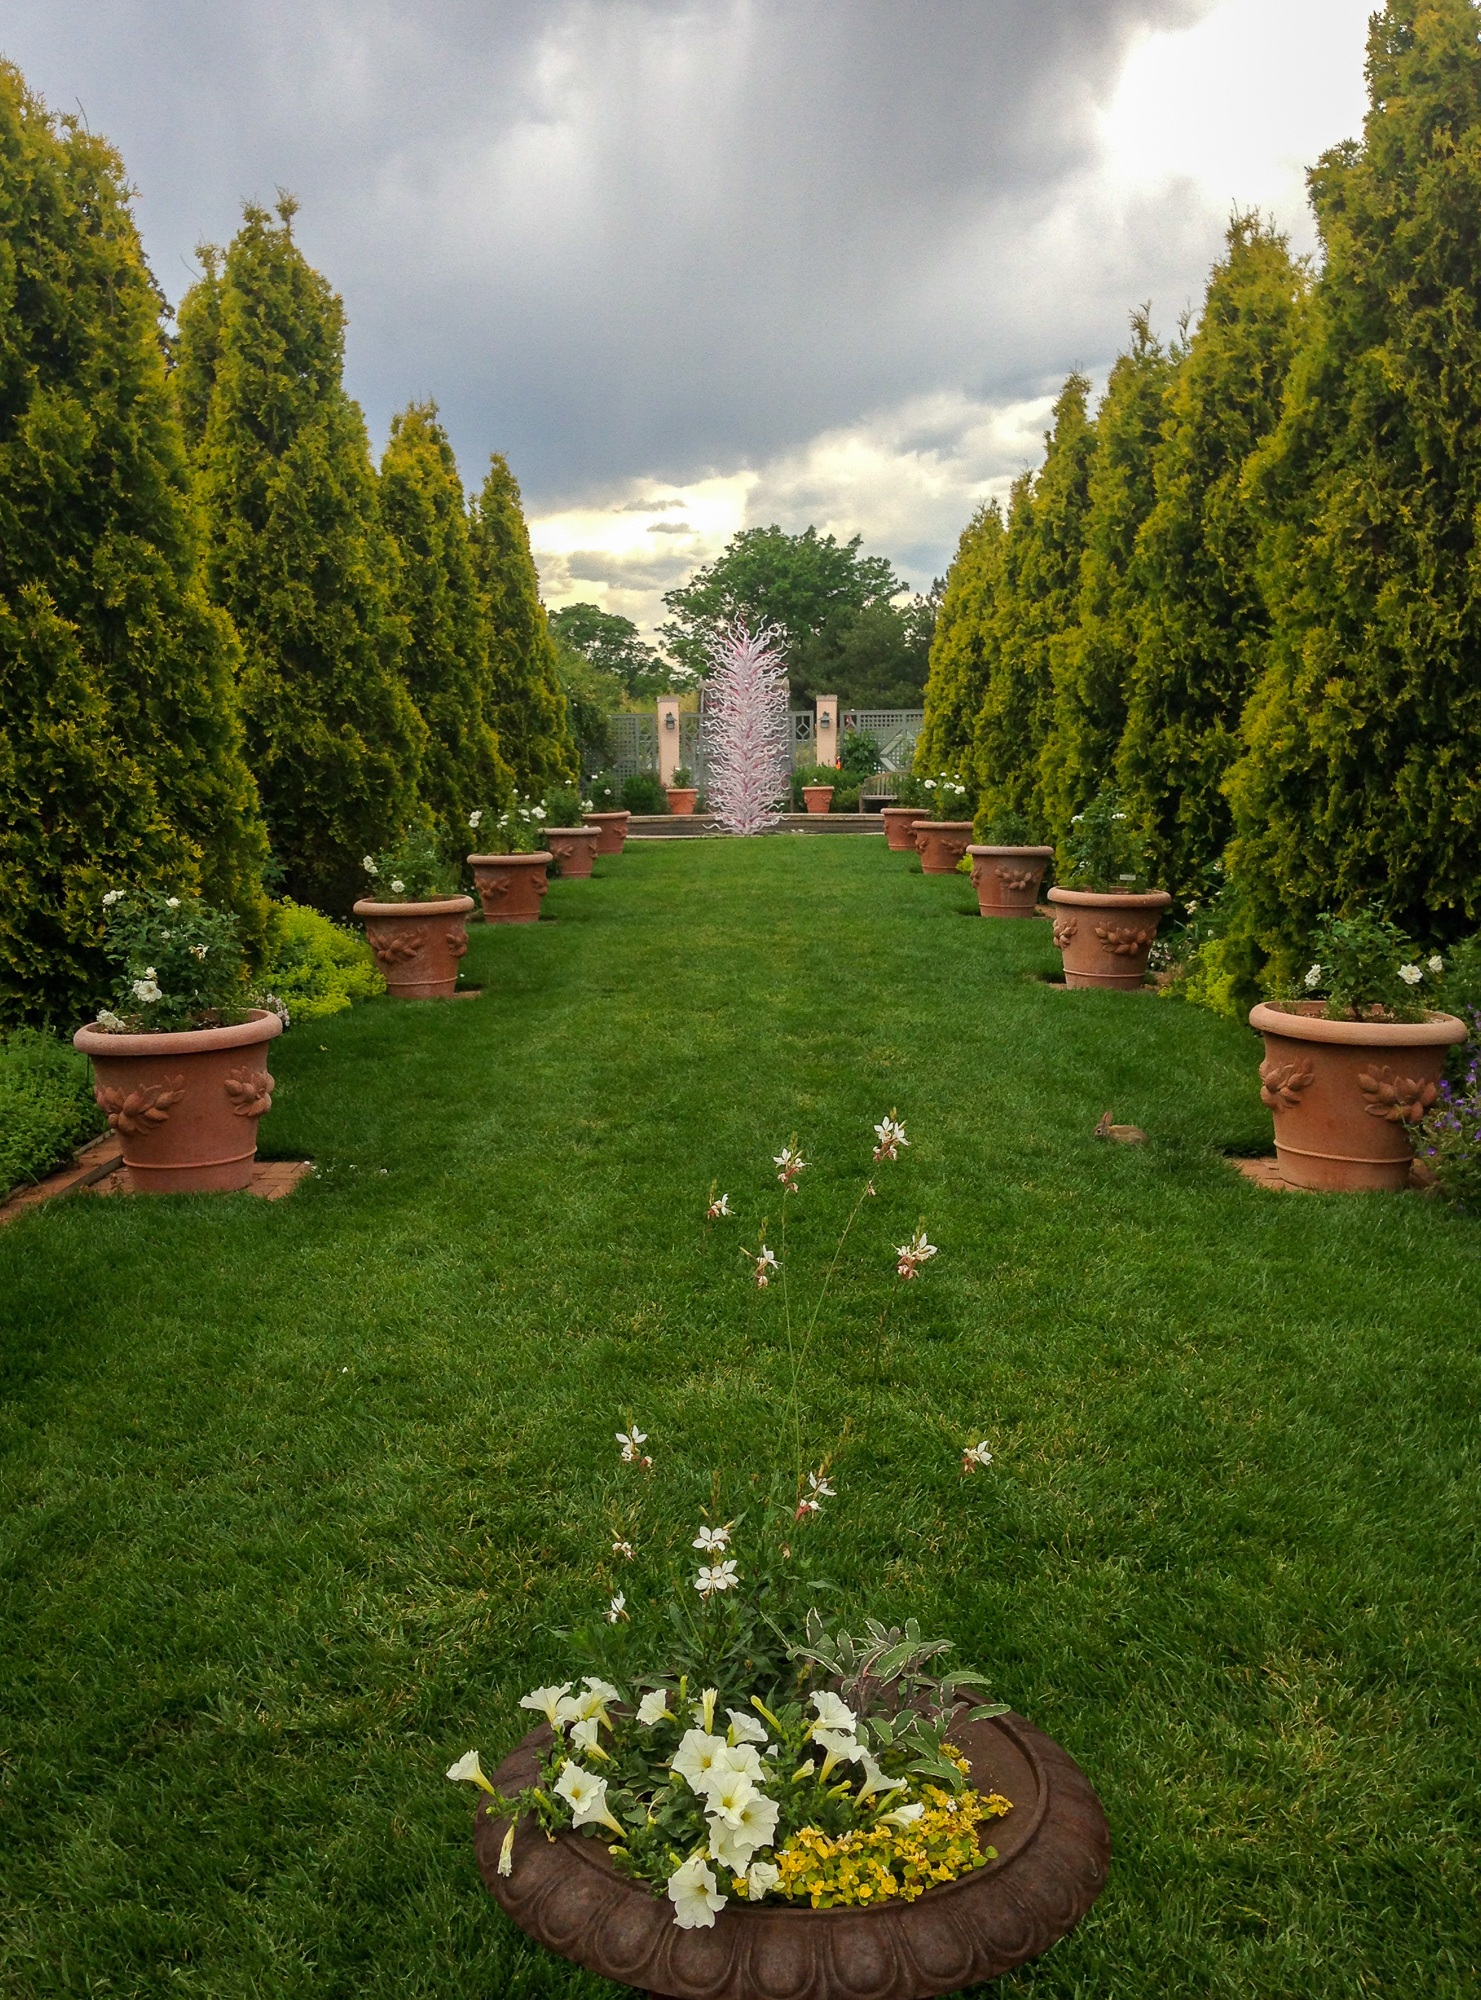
{"x": 699, "y": 264}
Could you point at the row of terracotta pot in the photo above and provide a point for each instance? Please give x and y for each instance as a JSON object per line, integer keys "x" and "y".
{"x": 185, "y": 1105}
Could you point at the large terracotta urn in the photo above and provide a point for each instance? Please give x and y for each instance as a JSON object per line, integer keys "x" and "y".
{"x": 1345, "y": 1094}
{"x": 817, "y": 798}
{"x": 417, "y": 945}
{"x": 1008, "y": 879}
{"x": 574, "y": 847}
{"x": 1053, "y": 1852}
{"x": 900, "y": 823}
{"x": 611, "y": 828}
{"x": 1104, "y": 937}
{"x": 185, "y": 1104}
{"x": 941, "y": 843}
{"x": 511, "y": 887}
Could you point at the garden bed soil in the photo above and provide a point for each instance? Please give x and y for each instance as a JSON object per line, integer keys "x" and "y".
{"x": 1053, "y": 1851}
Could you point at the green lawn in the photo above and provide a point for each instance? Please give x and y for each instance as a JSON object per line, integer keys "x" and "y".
{"x": 295, "y": 1496}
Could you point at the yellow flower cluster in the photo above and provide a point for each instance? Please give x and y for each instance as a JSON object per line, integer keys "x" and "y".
{"x": 887, "y": 1861}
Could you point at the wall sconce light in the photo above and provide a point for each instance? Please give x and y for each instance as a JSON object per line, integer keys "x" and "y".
{"x": 670, "y": 720}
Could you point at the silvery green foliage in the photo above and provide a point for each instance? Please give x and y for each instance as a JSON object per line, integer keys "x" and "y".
{"x": 885, "y": 1669}
{"x": 746, "y": 736}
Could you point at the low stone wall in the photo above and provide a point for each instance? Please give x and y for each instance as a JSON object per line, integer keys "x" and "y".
{"x": 692, "y": 826}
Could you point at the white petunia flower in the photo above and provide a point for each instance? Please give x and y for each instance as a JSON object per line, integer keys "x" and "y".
{"x": 586, "y": 1795}
{"x": 653, "y": 1707}
{"x": 172, "y": 902}
{"x": 745, "y": 1728}
{"x": 761, "y": 1877}
{"x": 468, "y": 1771}
{"x": 1411, "y": 974}
{"x": 697, "y": 1755}
{"x": 711, "y": 1538}
{"x": 735, "y": 1835}
{"x": 584, "y": 1733}
{"x": 726, "y": 1795}
{"x": 875, "y": 1779}
{"x": 546, "y": 1702}
{"x": 743, "y": 1757}
{"x": 976, "y": 1455}
{"x": 691, "y": 1890}
{"x": 199, "y": 950}
{"x": 833, "y": 1713}
{"x": 838, "y": 1747}
{"x": 506, "y": 1852}
{"x": 766, "y": 1263}
{"x": 904, "y": 1815}
{"x": 719, "y": 1576}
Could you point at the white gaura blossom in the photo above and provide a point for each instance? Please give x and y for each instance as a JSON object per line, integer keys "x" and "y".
{"x": 547, "y": 1702}
{"x": 833, "y": 1713}
{"x": 632, "y": 1441}
{"x": 719, "y": 1207}
{"x": 586, "y": 1795}
{"x": 766, "y": 1263}
{"x": 623, "y": 1549}
{"x": 761, "y": 1877}
{"x": 789, "y": 1163}
{"x": 719, "y": 1576}
{"x": 711, "y": 1538}
{"x": 913, "y": 1254}
{"x": 1411, "y": 974}
{"x": 199, "y": 950}
{"x": 976, "y": 1455}
{"x": 617, "y": 1608}
{"x": 891, "y": 1137}
{"x": 691, "y": 1890}
{"x": 468, "y": 1771}
{"x": 653, "y": 1707}
{"x": 697, "y": 1755}
{"x": 818, "y": 1491}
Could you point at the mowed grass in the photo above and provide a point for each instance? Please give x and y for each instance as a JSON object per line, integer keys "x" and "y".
{"x": 297, "y": 1498}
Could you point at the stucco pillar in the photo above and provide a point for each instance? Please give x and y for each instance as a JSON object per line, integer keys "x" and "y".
{"x": 827, "y": 729}
{"x": 668, "y": 738}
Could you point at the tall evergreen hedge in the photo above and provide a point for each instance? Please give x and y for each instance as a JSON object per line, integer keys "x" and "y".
{"x": 1093, "y": 663}
{"x": 1203, "y": 629}
{"x": 1361, "y": 773}
{"x": 120, "y": 743}
{"x": 301, "y": 558}
{"x": 957, "y": 679}
{"x": 529, "y": 711}
{"x": 447, "y": 653}
{"x": 1036, "y": 606}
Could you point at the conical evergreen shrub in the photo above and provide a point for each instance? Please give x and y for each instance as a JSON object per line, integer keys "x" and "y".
{"x": 529, "y": 711}
{"x": 302, "y": 560}
{"x": 447, "y": 652}
{"x": 120, "y": 744}
{"x": 1092, "y": 664}
{"x": 1360, "y": 779}
{"x": 957, "y": 680}
{"x": 1037, "y": 605}
{"x": 1203, "y": 628}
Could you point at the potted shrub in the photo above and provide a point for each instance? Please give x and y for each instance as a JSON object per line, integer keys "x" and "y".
{"x": 511, "y": 882}
{"x": 1007, "y": 870}
{"x": 814, "y": 785}
{"x": 570, "y": 840}
{"x": 606, "y": 813}
{"x": 682, "y": 794}
{"x": 902, "y": 818}
{"x": 416, "y": 923}
{"x": 1354, "y": 1056}
{"x": 758, "y": 1803}
{"x": 942, "y": 836}
{"x": 179, "y": 1060}
{"x": 1106, "y": 916}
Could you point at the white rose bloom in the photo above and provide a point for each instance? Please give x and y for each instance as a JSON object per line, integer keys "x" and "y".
{"x": 109, "y": 1020}
{"x": 691, "y": 1890}
{"x": 397, "y": 887}
{"x": 586, "y": 1795}
{"x": 761, "y": 1877}
{"x": 1411, "y": 974}
{"x": 113, "y": 896}
{"x": 474, "y": 818}
{"x": 833, "y": 1713}
{"x": 147, "y": 991}
{"x": 172, "y": 902}
{"x": 653, "y": 1707}
{"x": 367, "y": 862}
{"x": 1314, "y": 977}
{"x": 546, "y": 1701}
{"x": 1436, "y": 964}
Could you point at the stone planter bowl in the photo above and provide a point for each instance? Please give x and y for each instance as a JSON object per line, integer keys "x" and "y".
{"x": 1105, "y": 938}
{"x": 1008, "y": 879}
{"x": 575, "y": 848}
{"x": 1345, "y": 1094}
{"x": 1053, "y": 1852}
{"x": 511, "y": 887}
{"x": 185, "y": 1104}
{"x": 417, "y": 945}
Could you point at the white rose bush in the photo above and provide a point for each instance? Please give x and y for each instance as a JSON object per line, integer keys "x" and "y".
{"x": 744, "y": 1748}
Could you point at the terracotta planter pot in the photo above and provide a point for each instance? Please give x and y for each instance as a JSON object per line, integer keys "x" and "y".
{"x": 417, "y": 945}
{"x": 1345, "y": 1093}
{"x": 575, "y": 848}
{"x": 817, "y": 798}
{"x": 682, "y": 799}
{"x": 941, "y": 843}
{"x": 900, "y": 823}
{"x": 511, "y": 887}
{"x": 1105, "y": 938}
{"x": 612, "y": 828}
{"x": 1053, "y": 1853}
{"x": 185, "y": 1105}
{"x": 1008, "y": 879}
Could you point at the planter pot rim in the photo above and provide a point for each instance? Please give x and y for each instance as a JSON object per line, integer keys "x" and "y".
{"x": 919, "y": 811}
{"x": 540, "y": 856}
{"x": 259, "y": 1026}
{"x": 442, "y": 906}
{"x": 1038, "y": 853}
{"x": 615, "y": 812}
{"x": 1269, "y": 1019}
{"x": 943, "y": 825}
{"x": 1085, "y": 899}
{"x": 819, "y": 788}
{"x": 570, "y": 829}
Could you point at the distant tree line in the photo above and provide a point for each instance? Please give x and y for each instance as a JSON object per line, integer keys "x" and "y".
{"x": 1247, "y": 590}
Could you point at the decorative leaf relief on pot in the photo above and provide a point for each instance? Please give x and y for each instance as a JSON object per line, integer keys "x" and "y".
{"x": 134, "y": 1111}
{"x": 1398, "y": 1099}
{"x": 394, "y": 948}
{"x": 1065, "y": 929}
{"x": 493, "y": 885}
{"x": 457, "y": 940}
{"x": 1124, "y": 940}
{"x": 1281, "y": 1083}
{"x": 250, "y": 1091}
{"x": 1018, "y": 879}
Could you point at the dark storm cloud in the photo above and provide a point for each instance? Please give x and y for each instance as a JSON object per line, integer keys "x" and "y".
{"x": 621, "y": 237}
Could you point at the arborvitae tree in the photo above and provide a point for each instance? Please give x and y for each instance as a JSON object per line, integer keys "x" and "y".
{"x": 1037, "y": 600}
{"x": 120, "y": 745}
{"x": 1203, "y": 624}
{"x": 957, "y": 680}
{"x": 529, "y": 709}
{"x": 447, "y": 655}
{"x": 1361, "y": 774}
{"x": 303, "y": 562}
{"x": 198, "y": 348}
{"x": 1093, "y": 661}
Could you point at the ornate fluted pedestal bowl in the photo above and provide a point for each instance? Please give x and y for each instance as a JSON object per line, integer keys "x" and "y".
{"x": 1053, "y": 1852}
